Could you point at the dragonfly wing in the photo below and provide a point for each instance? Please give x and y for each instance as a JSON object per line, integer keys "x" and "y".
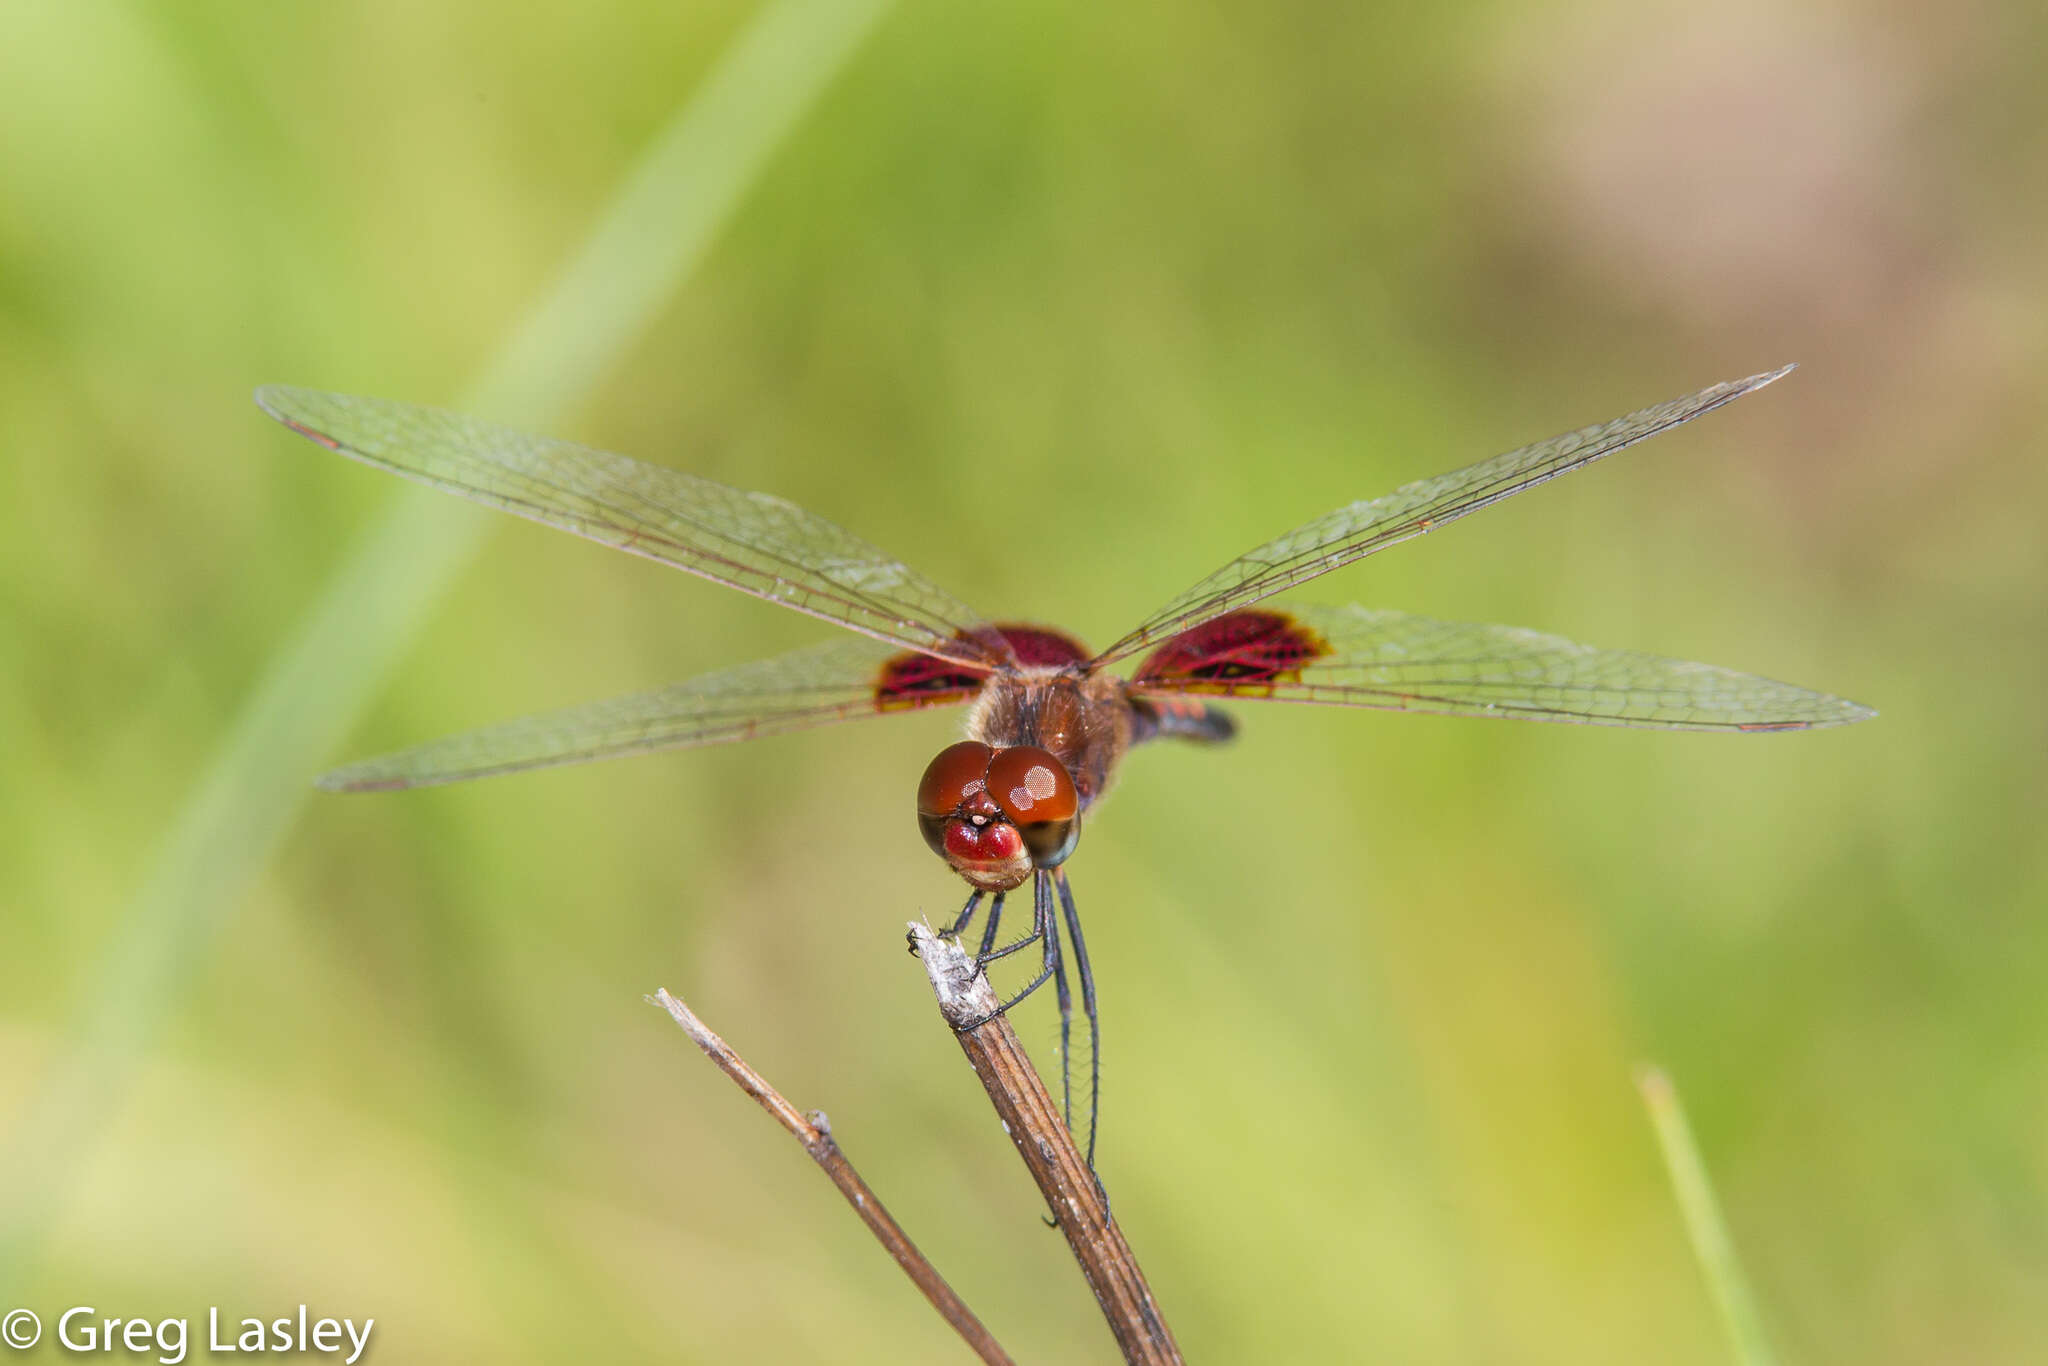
{"x": 836, "y": 681}
{"x": 1367, "y": 657}
{"x": 755, "y": 542}
{"x": 1351, "y": 533}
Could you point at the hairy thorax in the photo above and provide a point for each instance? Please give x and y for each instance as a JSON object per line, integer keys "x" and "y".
{"x": 1084, "y": 721}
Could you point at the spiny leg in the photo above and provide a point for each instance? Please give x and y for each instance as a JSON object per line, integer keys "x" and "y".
{"x": 988, "y": 931}
{"x": 1040, "y": 918}
{"x": 966, "y": 915}
{"x": 1042, "y": 930}
{"x": 1066, "y": 999}
{"x": 1088, "y": 1008}
{"x": 1059, "y": 977}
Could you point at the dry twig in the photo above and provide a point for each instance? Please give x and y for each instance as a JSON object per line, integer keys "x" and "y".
{"x": 1034, "y": 1125}
{"x": 815, "y": 1134}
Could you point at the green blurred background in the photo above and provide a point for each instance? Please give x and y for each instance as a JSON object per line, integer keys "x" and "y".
{"x": 1066, "y": 304}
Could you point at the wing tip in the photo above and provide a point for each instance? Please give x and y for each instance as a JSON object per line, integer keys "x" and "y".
{"x": 275, "y": 399}
{"x": 1847, "y": 713}
{"x": 1841, "y": 712}
{"x": 279, "y": 401}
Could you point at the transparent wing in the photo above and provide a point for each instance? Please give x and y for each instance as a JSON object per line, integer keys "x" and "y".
{"x": 1351, "y": 533}
{"x": 754, "y": 542}
{"x": 836, "y": 681}
{"x": 1365, "y": 657}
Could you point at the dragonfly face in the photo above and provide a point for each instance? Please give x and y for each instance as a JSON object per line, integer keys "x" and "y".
{"x": 995, "y": 815}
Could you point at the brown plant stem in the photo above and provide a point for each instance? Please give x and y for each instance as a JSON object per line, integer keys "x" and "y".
{"x": 1034, "y": 1125}
{"x": 815, "y": 1134}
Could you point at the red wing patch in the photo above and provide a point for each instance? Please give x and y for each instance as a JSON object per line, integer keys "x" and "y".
{"x": 914, "y": 680}
{"x": 919, "y": 680}
{"x": 1043, "y": 647}
{"x": 1240, "y": 654}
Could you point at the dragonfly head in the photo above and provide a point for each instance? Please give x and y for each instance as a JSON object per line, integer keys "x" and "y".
{"x": 994, "y": 815}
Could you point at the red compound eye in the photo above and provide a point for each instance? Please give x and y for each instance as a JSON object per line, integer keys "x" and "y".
{"x": 1030, "y": 785}
{"x": 952, "y": 778}
{"x": 1035, "y": 791}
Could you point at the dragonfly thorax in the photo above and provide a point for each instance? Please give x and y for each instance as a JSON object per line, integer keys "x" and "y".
{"x": 1083, "y": 720}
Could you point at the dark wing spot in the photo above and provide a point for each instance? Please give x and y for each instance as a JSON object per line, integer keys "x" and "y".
{"x": 915, "y": 680}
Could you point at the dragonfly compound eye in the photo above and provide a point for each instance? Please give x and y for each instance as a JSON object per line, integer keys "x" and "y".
{"x": 1034, "y": 790}
{"x": 953, "y": 779}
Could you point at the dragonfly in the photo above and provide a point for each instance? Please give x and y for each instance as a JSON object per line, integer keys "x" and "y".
{"x": 1048, "y": 722}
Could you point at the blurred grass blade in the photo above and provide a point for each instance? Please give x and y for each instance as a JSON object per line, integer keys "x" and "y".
{"x": 658, "y": 227}
{"x": 682, "y": 193}
{"x": 1703, "y": 1223}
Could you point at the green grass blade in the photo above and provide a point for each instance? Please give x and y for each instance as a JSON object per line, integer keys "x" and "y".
{"x": 1702, "y": 1212}
{"x": 654, "y": 232}
{"x": 669, "y": 212}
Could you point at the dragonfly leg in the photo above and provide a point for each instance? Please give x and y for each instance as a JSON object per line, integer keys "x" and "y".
{"x": 1088, "y": 1008}
{"x": 1014, "y": 946}
{"x": 988, "y": 931}
{"x": 1042, "y": 931}
{"x": 1066, "y": 999}
{"x": 1040, "y": 918}
{"x": 1059, "y": 980}
{"x": 966, "y": 916}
